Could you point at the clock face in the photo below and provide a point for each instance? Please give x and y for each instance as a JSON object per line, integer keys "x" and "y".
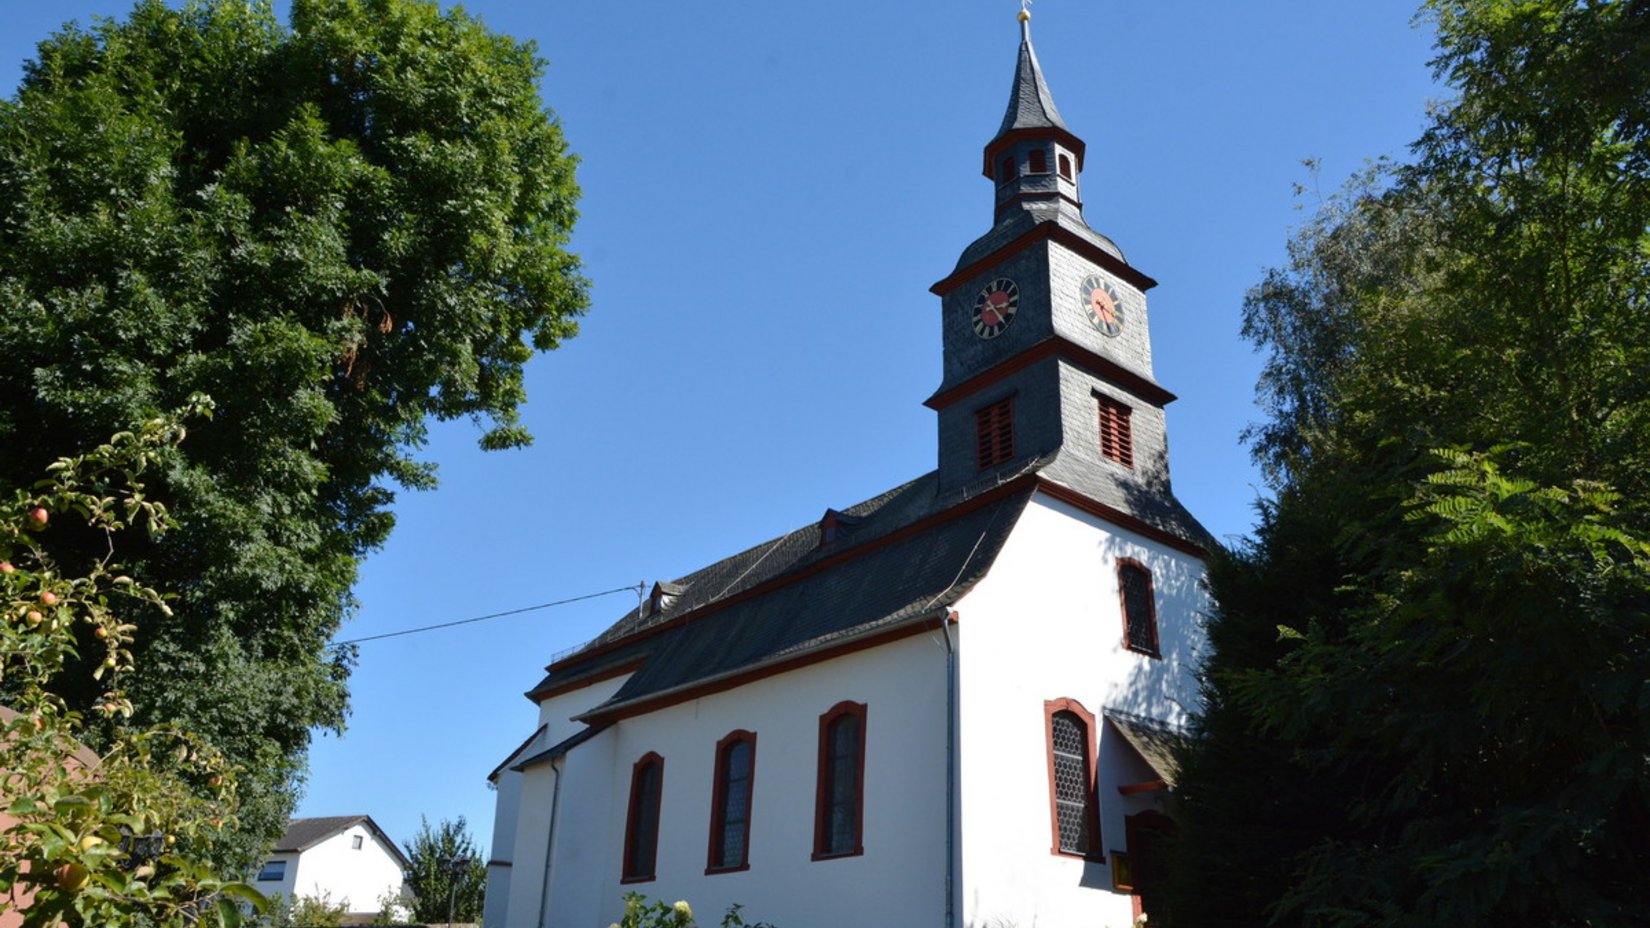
{"x": 995, "y": 307}
{"x": 1103, "y": 304}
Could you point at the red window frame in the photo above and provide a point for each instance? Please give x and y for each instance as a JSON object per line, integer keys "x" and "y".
{"x": 1144, "y": 623}
{"x": 1065, "y": 167}
{"x": 719, "y": 809}
{"x": 826, "y": 784}
{"x": 1037, "y": 161}
{"x": 1116, "y": 432}
{"x": 1091, "y": 795}
{"x": 632, "y": 869}
{"x": 994, "y": 432}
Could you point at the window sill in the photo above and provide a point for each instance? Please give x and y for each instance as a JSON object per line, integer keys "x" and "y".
{"x": 1096, "y": 858}
{"x": 637, "y": 879}
{"x": 712, "y": 871}
{"x": 856, "y": 852}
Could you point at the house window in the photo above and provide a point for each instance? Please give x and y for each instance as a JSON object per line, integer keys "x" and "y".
{"x": 1038, "y": 162}
{"x": 1065, "y": 167}
{"x": 1075, "y": 820}
{"x": 641, "y": 830}
{"x": 274, "y": 871}
{"x": 994, "y": 432}
{"x": 839, "y": 807}
{"x": 1009, "y": 170}
{"x": 1134, "y": 582}
{"x": 730, "y": 805}
{"x": 355, "y": 843}
{"x": 1116, "y": 435}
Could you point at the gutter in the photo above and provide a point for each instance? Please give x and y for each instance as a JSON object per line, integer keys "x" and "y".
{"x": 550, "y": 846}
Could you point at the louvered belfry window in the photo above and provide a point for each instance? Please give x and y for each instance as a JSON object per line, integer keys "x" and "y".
{"x": 1073, "y": 797}
{"x": 994, "y": 432}
{"x": 1116, "y": 436}
{"x": 1139, "y": 610}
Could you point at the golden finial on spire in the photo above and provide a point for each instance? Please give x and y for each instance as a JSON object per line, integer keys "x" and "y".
{"x": 1025, "y": 11}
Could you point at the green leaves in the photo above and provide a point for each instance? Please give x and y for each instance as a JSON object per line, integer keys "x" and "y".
{"x": 1425, "y": 704}
{"x": 336, "y": 229}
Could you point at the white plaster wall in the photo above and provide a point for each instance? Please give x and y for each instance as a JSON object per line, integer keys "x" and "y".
{"x": 358, "y": 878}
{"x": 513, "y": 893}
{"x": 506, "y": 805}
{"x": 897, "y": 883}
{"x": 1046, "y": 624}
{"x": 282, "y": 887}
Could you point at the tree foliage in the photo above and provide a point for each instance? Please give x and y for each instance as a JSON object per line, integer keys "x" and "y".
{"x": 120, "y": 840}
{"x": 337, "y": 229}
{"x": 445, "y": 868}
{"x": 1429, "y": 698}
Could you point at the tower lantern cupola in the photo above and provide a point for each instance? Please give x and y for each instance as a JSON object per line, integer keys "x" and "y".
{"x": 1034, "y": 159}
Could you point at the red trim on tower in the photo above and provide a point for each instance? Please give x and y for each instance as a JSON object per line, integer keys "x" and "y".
{"x": 1045, "y": 231}
{"x": 552, "y": 688}
{"x": 1056, "y": 347}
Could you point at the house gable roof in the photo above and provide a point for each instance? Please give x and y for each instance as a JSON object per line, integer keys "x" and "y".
{"x": 304, "y": 833}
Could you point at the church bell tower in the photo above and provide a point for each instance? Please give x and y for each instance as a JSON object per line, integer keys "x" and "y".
{"x": 1047, "y": 339}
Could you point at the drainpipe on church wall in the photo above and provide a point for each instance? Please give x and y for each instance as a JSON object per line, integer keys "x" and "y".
{"x": 550, "y": 844}
{"x": 950, "y": 772}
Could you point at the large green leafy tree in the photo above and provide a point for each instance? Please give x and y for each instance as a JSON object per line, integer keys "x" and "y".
{"x": 1429, "y": 697}
{"x": 336, "y": 229}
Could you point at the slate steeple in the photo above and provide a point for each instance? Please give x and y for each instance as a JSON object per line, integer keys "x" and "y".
{"x": 1046, "y": 333}
{"x": 1034, "y": 158}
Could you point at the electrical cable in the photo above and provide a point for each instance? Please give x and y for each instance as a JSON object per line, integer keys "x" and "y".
{"x": 483, "y": 618}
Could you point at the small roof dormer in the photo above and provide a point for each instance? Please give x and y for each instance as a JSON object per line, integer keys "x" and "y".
{"x": 662, "y": 597}
{"x": 833, "y": 525}
{"x": 1034, "y": 159}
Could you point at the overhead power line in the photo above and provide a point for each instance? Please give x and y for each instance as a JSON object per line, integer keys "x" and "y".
{"x": 494, "y": 615}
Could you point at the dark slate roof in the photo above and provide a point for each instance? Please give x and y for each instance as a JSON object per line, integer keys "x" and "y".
{"x": 1155, "y": 742}
{"x": 1017, "y": 222}
{"x": 1079, "y": 468}
{"x": 792, "y": 595}
{"x": 304, "y": 833}
{"x": 1030, "y": 105}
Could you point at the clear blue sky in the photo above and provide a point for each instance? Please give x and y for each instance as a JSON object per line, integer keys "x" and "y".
{"x": 769, "y": 190}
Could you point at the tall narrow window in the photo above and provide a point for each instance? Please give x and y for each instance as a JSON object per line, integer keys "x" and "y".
{"x": 1065, "y": 167}
{"x": 730, "y": 804}
{"x": 1037, "y": 162}
{"x": 994, "y": 432}
{"x": 641, "y": 830}
{"x": 839, "y": 808}
{"x": 1009, "y": 170}
{"x": 1116, "y": 434}
{"x": 1134, "y": 582}
{"x": 1075, "y": 819}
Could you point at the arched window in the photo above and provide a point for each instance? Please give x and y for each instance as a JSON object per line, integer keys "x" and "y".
{"x": 1009, "y": 170}
{"x": 1038, "y": 162}
{"x": 1074, "y": 815}
{"x": 1134, "y": 584}
{"x": 641, "y": 830}
{"x": 839, "y": 807}
{"x": 1065, "y": 167}
{"x": 730, "y": 804}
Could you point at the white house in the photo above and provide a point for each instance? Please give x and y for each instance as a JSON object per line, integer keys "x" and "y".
{"x": 947, "y": 705}
{"x": 346, "y": 859}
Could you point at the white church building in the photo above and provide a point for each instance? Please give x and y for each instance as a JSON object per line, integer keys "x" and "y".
{"x": 948, "y": 705}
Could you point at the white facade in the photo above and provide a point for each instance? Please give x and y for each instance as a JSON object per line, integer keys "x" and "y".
{"x": 1019, "y": 699}
{"x": 355, "y": 866}
{"x": 1044, "y": 624}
